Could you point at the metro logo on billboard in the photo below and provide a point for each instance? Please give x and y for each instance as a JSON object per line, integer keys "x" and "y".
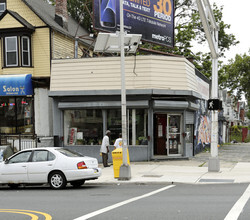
{"x": 154, "y": 19}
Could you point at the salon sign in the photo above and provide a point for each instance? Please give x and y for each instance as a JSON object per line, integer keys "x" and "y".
{"x": 16, "y": 85}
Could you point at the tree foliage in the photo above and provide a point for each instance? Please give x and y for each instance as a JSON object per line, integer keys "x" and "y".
{"x": 189, "y": 33}
{"x": 236, "y": 76}
{"x": 248, "y": 114}
{"x": 81, "y": 11}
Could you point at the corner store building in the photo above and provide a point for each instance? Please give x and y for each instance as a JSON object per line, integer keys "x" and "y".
{"x": 162, "y": 96}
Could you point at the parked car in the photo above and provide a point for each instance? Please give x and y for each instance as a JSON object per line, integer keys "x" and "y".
{"x": 53, "y": 165}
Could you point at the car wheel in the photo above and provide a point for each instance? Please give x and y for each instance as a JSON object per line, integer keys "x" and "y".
{"x": 77, "y": 183}
{"x": 57, "y": 180}
{"x": 13, "y": 185}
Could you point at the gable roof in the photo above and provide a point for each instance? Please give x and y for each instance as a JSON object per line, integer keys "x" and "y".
{"x": 46, "y": 12}
{"x": 21, "y": 23}
{"x": 21, "y": 20}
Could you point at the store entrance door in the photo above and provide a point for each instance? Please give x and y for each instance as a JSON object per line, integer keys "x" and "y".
{"x": 160, "y": 133}
{"x": 168, "y": 130}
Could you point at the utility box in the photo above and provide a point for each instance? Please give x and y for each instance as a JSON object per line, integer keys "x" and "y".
{"x": 117, "y": 155}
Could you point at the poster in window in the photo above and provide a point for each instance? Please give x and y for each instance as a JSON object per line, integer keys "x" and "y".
{"x": 72, "y": 136}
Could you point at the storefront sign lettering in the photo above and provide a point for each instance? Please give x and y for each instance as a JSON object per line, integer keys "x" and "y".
{"x": 10, "y": 89}
{"x": 16, "y": 85}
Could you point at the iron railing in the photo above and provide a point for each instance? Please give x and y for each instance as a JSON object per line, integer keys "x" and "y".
{"x": 19, "y": 141}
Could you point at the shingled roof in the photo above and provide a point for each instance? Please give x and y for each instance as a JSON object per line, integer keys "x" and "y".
{"x": 46, "y": 12}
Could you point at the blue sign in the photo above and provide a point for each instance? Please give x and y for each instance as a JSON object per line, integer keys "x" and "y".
{"x": 154, "y": 19}
{"x": 16, "y": 85}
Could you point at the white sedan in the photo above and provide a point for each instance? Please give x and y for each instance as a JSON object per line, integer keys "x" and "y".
{"x": 53, "y": 165}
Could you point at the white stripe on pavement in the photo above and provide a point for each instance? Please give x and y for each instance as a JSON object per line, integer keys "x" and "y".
{"x": 92, "y": 214}
{"x": 239, "y": 205}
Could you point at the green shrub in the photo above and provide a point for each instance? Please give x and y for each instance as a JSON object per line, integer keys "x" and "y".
{"x": 238, "y": 138}
{"x": 247, "y": 139}
{"x": 235, "y": 130}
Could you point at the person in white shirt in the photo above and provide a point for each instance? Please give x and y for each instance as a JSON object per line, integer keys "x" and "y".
{"x": 118, "y": 142}
{"x": 105, "y": 148}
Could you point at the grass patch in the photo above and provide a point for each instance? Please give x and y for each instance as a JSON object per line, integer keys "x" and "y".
{"x": 201, "y": 165}
{"x": 206, "y": 149}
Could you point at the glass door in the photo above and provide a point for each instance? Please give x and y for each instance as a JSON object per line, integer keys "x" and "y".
{"x": 173, "y": 134}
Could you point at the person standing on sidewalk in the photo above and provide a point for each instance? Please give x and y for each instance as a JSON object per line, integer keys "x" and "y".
{"x": 105, "y": 148}
{"x": 118, "y": 142}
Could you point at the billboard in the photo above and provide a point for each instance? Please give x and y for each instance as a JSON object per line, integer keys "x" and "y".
{"x": 154, "y": 19}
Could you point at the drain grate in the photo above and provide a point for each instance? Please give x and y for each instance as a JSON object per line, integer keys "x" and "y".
{"x": 157, "y": 176}
{"x": 216, "y": 180}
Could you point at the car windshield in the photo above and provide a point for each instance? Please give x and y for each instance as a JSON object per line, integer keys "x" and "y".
{"x": 69, "y": 153}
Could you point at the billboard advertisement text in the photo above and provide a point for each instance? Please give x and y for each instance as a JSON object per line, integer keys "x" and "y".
{"x": 154, "y": 19}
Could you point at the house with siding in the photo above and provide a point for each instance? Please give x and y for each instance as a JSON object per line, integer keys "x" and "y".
{"x": 32, "y": 34}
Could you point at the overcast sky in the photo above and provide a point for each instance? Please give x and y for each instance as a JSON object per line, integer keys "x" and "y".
{"x": 237, "y": 14}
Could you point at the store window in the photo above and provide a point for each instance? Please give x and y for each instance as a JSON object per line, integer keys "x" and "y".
{"x": 189, "y": 133}
{"x": 114, "y": 124}
{"x": 83, "y": 127}
{"x": 137, "y": 126}
{"x": 16, "y": 115}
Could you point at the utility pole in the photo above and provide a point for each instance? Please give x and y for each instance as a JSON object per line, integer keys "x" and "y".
{"x": 125, "y": 170}
{"x": 211, "y": 31}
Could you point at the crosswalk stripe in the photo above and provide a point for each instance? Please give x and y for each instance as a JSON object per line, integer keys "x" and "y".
{"x": 239, "y": 205}
{"x": 98, "y": 212}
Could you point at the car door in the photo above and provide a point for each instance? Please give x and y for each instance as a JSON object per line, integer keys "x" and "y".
{"x": 15, "y": 169}
{"x": 42, "y": 162}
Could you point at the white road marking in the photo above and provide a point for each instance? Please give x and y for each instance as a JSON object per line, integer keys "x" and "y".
{"x": 98, "y": 212}
{"x": 239, "y": 205}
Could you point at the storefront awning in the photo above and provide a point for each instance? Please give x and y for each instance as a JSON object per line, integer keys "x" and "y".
{"x": 16, "y": 85}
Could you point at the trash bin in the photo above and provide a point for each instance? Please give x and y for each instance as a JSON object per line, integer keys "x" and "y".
{"x": 117, "y": 155}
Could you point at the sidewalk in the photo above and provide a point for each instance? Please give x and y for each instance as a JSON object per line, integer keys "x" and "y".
{"x": 192, "y": 171}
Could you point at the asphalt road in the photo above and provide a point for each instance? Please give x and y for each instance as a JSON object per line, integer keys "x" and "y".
{"x": 133, "y": 201}
{"x": 125, "y": 201}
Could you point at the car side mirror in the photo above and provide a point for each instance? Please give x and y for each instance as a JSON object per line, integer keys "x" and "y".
{"x": 6, "y": 161}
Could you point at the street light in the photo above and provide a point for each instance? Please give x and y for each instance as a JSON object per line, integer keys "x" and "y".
{"x": 211, "y": 31}
{"x": 125, "y": 170}
{"x": 119, "y": 42}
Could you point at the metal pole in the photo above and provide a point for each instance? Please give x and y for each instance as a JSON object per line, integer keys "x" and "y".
{"x": 211, "y": 30}
{"x": 125, "y": 172}
{"x": 214, "y": 163}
